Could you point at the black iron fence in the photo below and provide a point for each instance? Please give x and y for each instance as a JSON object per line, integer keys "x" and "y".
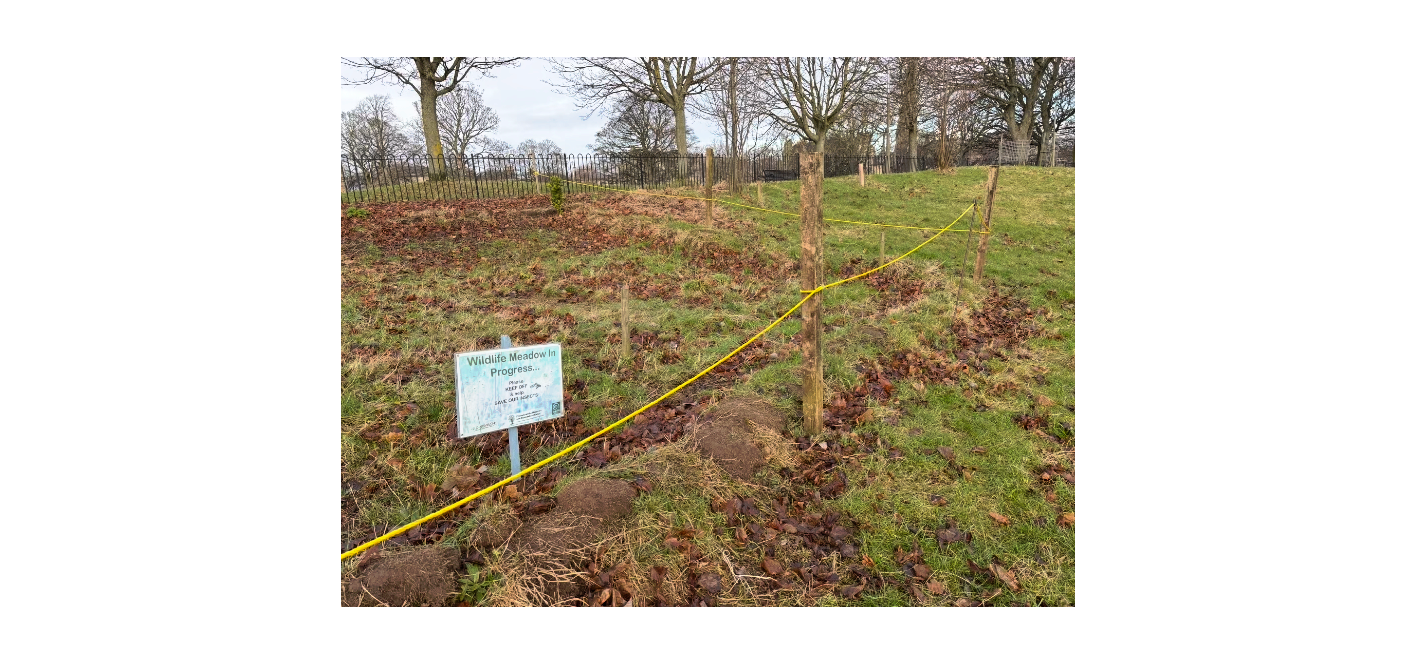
{"x": 418, "y": 177}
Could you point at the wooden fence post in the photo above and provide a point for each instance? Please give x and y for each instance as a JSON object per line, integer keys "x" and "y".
{"x": 708, "y": 186}
{"x": 862, "y": 173}
{"x": 624, "y": 321}
{"x": 987, "y": 227}
{"x": 882, "y": 247}
{"x": 760, "y": 202}
{"x": 813, "y": 388}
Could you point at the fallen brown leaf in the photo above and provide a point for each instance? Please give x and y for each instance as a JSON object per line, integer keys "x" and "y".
{"x": 1005, "y": 576}
{"x": 1002, "y": 520}
{"x": 922, "y": 571}
{"x": 979, "y": 450}
{"x": 1067, "y": 520}
{"x": 948, "y": 536}
{"x": 936, "y": 587}
{"x": 772, "y": 567}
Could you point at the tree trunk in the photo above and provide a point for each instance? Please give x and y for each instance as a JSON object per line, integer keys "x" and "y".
{"x": 945, "y": 158}
{"x": 681, "y": 140}
{"x": 889, "y": 154}
{"x": 735, "y": 172}
{"x": 428, "y": 100}
{"x": 907, "y": 136}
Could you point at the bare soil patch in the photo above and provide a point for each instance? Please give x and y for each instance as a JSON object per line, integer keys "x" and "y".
{"x": 424, "y": 576}
{"x": 563, "y": 536}
{"x": 728, "y": 436}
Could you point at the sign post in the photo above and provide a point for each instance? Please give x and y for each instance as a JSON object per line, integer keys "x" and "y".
{"x": 507, "y": 387}
{"x": 513, "y": 446}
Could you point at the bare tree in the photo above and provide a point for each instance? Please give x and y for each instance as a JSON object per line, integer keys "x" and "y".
{"x": 463, "y": 120}
{"x": 947, "y": 84}
{"x": 727, "y": 102}
{"x": 371, "y": 130}
{"x": 430, "y": 78}
{"x": 638, "y": 128}
{"x": 808, "y": 96}
{"x": 1056, "y": 106}
{"x": 491, "y": 145}
{"x": 594, "y": 82}
{"x": 530, "y": 146}
{"x": 1013, "y": 86}
{"x": 370, "y": 138}
{"x": 907, "y": 135}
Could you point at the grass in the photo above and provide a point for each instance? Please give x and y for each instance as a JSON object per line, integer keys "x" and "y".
{"x": 398, "y": 352}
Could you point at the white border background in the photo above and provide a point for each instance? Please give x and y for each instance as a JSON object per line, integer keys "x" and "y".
{"x": 1242, "y": 360}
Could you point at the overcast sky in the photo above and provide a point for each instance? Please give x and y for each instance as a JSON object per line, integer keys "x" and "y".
{"x": 528, "y": 107}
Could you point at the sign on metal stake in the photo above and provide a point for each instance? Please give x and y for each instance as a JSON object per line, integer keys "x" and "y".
{"x": 507, "y": 387}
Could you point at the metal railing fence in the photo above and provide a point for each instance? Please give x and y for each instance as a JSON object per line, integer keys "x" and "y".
{"x": 420, "y": 177}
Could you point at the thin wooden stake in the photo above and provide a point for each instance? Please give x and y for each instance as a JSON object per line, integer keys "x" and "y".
{"x": 624, "y": 321}
{"x": 882, "y": 247}
{"x": 862, "y": 173}
{"x": 813, "y": 386}
{"x": 987, "y": 228}
{"x": 963, "y": 267}
{"x": 759, "y": 193}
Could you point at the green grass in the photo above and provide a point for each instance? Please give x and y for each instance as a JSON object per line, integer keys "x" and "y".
{"x": 1030, "y": 256}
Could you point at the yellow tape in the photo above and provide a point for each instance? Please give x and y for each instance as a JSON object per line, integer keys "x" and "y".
{"x": 902, "y": 256}
{"x": 750, "y": 207}
{"x": 394, "y": 533}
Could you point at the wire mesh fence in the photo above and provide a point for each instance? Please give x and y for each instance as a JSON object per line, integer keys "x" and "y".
{"x": 420, "y": 177}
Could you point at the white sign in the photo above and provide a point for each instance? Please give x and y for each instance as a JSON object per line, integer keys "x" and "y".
{"x": 507, "y": 387}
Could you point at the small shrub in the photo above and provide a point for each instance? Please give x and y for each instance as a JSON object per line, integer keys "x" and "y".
{"x": 557, "y": 194}
{"x": 475, "y": 585}
{"x": 356, "y": 213}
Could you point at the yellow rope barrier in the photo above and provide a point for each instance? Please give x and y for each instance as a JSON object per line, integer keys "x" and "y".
{"x": 394, "y": 533}
{"x": 750, "y": 207}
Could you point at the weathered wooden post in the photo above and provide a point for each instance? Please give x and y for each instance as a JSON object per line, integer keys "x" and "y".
{"x": 708, "y": 186}
{"x": 624, "y": 321}
{"x": 862, "y": 173}
{"x": 882, "y": 247}
{"x": 987, "y": 227}
{"x": 760, "y": 200}
{"x": 813, "y": 388}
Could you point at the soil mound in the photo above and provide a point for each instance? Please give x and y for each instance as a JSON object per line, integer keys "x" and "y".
{"x": 562, "y": 537}
{"x": 493, "y": 531}
{"x": 425, "y": 576}
{"x": 727, "y": 436}
{"x": 603, "y": 499}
